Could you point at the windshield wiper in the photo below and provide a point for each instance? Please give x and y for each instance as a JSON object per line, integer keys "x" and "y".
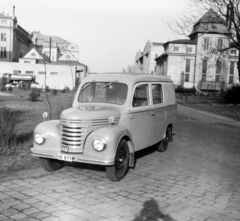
{"x": 109, "y": 84}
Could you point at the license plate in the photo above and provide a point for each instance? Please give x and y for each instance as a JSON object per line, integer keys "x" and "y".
{"x": 65, "y": 157}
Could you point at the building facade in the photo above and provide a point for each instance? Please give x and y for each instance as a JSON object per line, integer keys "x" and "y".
{"x": 145, "y": 61}
{"x": 15, "y": 42}
{"x": 54, "y": 46}
{"x": 200, "y": 61}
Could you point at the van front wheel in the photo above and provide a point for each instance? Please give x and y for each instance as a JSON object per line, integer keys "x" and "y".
{"x": 51, "y": 164}
{"x": 117, "y": 171}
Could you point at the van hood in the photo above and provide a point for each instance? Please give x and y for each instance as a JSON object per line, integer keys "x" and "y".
{"x": 90, "y": 113}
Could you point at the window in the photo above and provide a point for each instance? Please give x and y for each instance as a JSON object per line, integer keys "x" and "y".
{"x": 3, "y": 37}
{"x": 157, "y": 93}
{"x": 175, "y": 48}
{"x": 204, "y": 66}
{"x": 233, "y": 51}
{"x": 218, "y": 67}
{"x": 3, "y": 52}
{"x": 29, "y": 72}
{"x": 27, "y": 62}
{"x": 204, "y": 77}
{"x": 140, "y": 97}
{"x": 218, "y": 71}
{"x": 186, "y": 77}
{"x": 206, "y": 43}
{"x": 219, "y": 46}
{"x": 53, "y": 73}
{"x": 17, "y": 72}
{"x": 189, "y": 49}
{"x": 187, "y": 68}
{"x": 41, "y": 72}
{"x": 103, "y": 92}
{"x": 231, "y": 73}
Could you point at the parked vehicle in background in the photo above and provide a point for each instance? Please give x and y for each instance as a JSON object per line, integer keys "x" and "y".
{"x": 17, "y": 79}
{"x": 112, "y": 117}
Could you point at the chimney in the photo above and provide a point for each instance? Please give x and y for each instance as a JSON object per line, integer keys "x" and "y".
{"x": 14, "y": 10}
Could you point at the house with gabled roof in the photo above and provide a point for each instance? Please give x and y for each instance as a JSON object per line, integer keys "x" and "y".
{"x": 34, "y": 57}
{"x": 145, "y": 61}
{"x": 54, "y": 44}
{"x": 191, "y": 63}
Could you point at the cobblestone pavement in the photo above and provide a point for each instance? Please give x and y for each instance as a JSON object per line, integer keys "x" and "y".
{"x": 197, "y": 178}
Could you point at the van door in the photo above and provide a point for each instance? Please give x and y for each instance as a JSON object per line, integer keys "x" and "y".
{"x": 141, "y": 117}
{"x": 159, "y": 110}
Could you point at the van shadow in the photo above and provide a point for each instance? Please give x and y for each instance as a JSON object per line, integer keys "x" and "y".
{"x": 143, "y": 153}
{"x": 151, "y": 211}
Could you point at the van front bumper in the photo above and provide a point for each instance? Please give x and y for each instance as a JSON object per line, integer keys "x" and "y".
{"x": 81, "y": 158}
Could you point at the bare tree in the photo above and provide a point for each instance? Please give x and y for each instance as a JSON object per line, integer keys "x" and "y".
{"x": 227, "y": 15}
{"x": 129, "y": 69}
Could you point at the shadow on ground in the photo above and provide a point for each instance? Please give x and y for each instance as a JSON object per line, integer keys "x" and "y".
{"x": 151, "y": 211}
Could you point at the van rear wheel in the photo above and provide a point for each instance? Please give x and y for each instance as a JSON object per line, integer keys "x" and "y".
{"x": 51, "y": 164}
{"x": 163, "y": 145}
{"x": 117, "y": 171}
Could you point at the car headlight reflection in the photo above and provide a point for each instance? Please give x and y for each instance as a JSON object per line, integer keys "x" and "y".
{"x": 39, "y": 138}
{"x": 99, "y": 144}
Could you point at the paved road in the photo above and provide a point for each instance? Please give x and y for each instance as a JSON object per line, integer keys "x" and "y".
{"x": 198, "y": 178}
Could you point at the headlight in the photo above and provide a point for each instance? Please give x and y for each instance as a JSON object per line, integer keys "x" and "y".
{"x": 99, "y": 144}
{"x": 39, "y": 138}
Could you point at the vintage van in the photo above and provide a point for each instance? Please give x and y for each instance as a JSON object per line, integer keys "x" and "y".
{"x": 113, "y": 115}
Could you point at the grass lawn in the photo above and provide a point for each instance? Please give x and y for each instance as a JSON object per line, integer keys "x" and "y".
{"x": 29, "y": 115}
{"x": 212, "y": 104}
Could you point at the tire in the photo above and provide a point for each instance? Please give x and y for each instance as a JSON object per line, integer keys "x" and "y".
{"x": 51, "y": 164}
{"x": 163, "y": 145}
{"x": 117, "y": 171}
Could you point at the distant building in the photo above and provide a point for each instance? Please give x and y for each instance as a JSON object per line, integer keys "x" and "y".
{"x": 57, "y": 45}
{"x": 14, "y": 40}
{"x": 190, "y": 62}
{"x": 145, "y": 61}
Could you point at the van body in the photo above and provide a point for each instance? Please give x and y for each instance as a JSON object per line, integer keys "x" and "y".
{"x": 113, "y": 115}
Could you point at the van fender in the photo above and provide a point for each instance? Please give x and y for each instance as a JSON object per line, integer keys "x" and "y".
{"x": 112, "y": 135}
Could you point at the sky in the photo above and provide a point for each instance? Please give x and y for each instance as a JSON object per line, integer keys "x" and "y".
{"x": 109, "y": 33}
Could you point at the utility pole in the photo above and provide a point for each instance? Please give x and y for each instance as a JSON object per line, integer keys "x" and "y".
{"x": 50, "y": 49}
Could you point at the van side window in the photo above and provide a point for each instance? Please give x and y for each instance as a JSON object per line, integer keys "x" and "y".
{"x": 157, "y": 93}
{"x": 140, "y": 97}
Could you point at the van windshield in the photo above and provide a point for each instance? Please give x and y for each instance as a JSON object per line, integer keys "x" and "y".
{"x": 103, "y": 92}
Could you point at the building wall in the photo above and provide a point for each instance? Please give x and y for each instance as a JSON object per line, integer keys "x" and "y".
{"x": 58, "y": 76}
{"x": 6, "y": 27}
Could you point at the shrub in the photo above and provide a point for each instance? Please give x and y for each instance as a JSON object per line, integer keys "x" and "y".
{"x": 25, "y": 86}
{"x": 63, "y": 90}
{"x": 10, "y": 88}
{"x": 34, "y": 95}
{"x": 181, "y": 89}
{"x": 54, "y": 92}
{"x": 232, "y": 95}
{"x": 3, "y": 88}
{"x": 8, "y": 122}
{"x": 47, "y": 89}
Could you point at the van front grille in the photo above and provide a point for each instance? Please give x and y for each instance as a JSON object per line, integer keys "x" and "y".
{"x": 73, "y": 132}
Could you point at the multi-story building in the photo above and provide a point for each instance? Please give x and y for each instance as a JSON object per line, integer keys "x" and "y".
{"x": 15, "y": 42}
{"x": 55, "y": 44}
{"x": 145, "y": 61}
{"x": 200, "y": 61}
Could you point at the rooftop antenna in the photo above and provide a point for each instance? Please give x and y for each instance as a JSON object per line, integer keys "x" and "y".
{"x": 14, "y": 10}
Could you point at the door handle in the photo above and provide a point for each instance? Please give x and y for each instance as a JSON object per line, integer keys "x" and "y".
{"x": 152, "y": 114}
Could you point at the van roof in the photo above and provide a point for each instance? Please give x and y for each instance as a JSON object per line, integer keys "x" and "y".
{"x": 126, "y": 78}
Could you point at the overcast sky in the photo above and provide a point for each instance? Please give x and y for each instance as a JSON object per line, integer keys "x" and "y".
{"x": 109, "y": 32}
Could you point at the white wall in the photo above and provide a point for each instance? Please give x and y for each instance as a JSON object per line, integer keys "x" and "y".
{"x": 64, "y": 75}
